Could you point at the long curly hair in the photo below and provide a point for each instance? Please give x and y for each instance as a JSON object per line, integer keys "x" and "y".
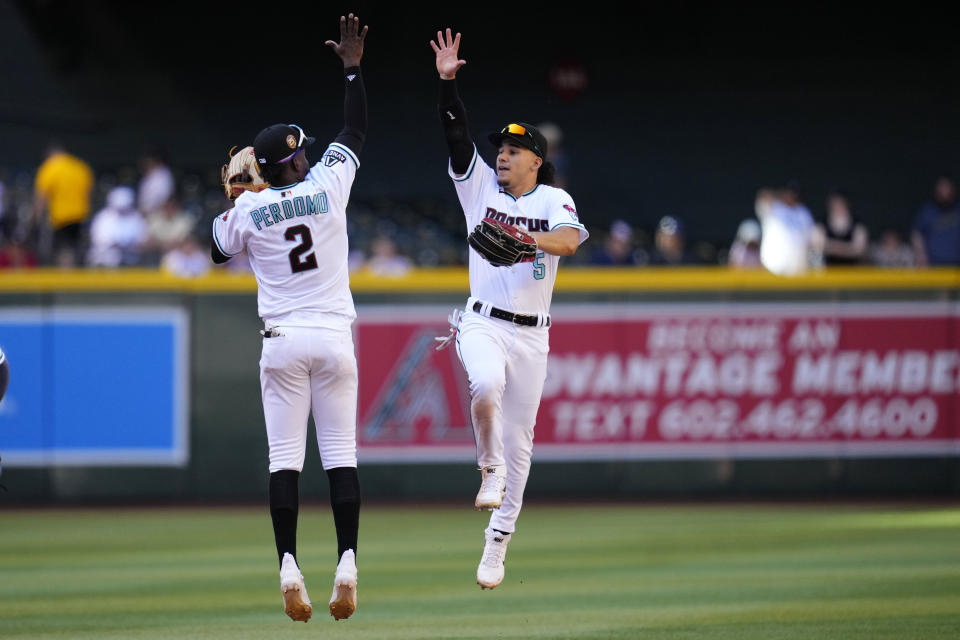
{"x": 547, "y": 173}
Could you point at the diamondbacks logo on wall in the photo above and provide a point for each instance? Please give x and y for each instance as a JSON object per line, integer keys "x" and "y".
{"x": 411, "y": 393}
{"x": 572, "y": 212}
{"x": 291, "y": 141}
{"x": 333, "y": 157}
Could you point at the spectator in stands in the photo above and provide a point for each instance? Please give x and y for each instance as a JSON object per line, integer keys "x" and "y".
{"x": 841, "y": 238}
{"x": 786, "y": 229}
{"x": 62, "y": 189}
{"x": 167, "y": 229}
{"x": 187, "y": 259}
{"x": 14, "y": 254}
{"x": 892, "y": 251}
{"x": 384, "y": 258}
{"x": 618, "y": 248}
{"x": 936, "y": 228}
{"x": 157, "y": 184}
{"x": 745, "y": 250}
{"x": 118, "y": 232}
{"x": 555, "y": 152}
{"x": 670, "y": 243}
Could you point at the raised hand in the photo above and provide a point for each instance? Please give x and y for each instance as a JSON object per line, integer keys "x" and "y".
{"x": 350, "y": 47}
{"x": 447, "y": 61}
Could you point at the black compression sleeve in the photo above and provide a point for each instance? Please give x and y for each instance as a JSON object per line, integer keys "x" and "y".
{"x": 354, "y": 111}
{"x": 453, "y": 115}
{"x": 216, "y": 255}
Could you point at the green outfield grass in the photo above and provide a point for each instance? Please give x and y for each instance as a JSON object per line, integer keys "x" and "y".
{"x": 628, "y": 571}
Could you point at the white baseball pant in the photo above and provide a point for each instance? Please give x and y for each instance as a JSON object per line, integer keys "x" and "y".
{"x": 310, "y": 367}
{"x": 506, "y": 365}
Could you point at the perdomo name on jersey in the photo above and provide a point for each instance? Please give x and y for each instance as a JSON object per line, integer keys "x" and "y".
{"x": 276, "y": 212}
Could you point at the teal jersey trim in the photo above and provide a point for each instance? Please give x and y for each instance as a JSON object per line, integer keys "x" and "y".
{"x": 217, "y": 240}
{"x": 473, "y": 164}
{"x": 507, "y": 193}
{"x": 356, "y": 162}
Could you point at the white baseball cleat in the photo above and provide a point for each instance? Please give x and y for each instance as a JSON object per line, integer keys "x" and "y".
{"x": 295, "y": 600}
{"x": 493, "y": 486}
{"x": 490, "y": 570}
{"x": 343, "y": 602}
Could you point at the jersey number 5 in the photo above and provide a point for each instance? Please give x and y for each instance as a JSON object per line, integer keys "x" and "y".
{"x": 539, "y": 269}
{"x": 299, "y": 262}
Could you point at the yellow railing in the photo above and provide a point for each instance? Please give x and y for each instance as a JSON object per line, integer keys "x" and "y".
{"x": 454, "y": 280}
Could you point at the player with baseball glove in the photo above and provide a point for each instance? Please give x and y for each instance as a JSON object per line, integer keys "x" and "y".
{"x": 296, "y": 240}
{"x": 519, "y": 226}
{"x": 501, "y": 244}
{"x": 241, "y": 173}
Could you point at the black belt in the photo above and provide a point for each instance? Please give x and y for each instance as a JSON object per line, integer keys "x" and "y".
{"x": 515, "y": 318}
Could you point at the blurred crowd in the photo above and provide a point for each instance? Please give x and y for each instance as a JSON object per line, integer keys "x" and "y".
{"x": 64, "y": 215}
{"x": 784, "y": 237}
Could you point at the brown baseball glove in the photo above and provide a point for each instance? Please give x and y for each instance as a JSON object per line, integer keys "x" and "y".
{"x": 241, "y": 174}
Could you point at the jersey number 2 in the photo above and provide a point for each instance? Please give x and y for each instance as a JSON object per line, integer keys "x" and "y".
{"x": 299, "y": 262}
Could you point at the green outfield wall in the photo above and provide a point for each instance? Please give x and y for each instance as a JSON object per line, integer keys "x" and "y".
{"x": 226, "y": 459}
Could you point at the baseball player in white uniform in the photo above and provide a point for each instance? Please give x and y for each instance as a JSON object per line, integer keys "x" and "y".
{"x": 295, "y": 234}
{"x": 502, "y": 335}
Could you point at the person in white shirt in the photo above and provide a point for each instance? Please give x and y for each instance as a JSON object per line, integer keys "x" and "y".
{"x": 157, "y": 184}
{"x": 118, "y": 231}
{"x": 502, "y": 336}
{"x": 186, "y": 260}
{"x": 294, "y": 234}
{"x": 787, "y": 231}
{"x": 745, "y": 250}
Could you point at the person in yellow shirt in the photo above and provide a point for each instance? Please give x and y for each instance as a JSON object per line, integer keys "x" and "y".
{"x": 62, "y": 189}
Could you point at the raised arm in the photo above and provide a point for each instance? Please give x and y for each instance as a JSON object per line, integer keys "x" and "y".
{"x": 350, "y": 51}
{"x": 453, "y": 114}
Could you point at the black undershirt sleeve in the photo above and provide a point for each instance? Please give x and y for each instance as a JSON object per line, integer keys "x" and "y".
{"x": 453, "y": 115}
{"x": 354, "y": 111}
{"x": 215, "y": 253}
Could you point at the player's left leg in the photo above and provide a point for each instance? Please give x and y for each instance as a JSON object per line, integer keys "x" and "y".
{"x": 526, "y": 373}
{"x": 334, "y": 393}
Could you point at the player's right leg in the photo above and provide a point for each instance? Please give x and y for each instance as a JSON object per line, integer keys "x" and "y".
{"x": 334, "y": 392}
{"x": 285, "y": 390}
{"x": 480, "y": 346}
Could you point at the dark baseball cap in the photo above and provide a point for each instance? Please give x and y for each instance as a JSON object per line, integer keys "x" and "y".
{"x": 279, "y": 143}
{"x": 525, "y": 135}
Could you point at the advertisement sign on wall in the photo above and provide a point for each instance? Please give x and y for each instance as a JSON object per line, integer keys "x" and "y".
{"x": 97, "y": 386}
{"x": 685, "y": 381}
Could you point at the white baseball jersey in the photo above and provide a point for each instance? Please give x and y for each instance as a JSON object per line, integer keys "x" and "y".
{"x": 526, "y": 287}
{"x": 296, "y": 239}
{"x": 785, "y": 240}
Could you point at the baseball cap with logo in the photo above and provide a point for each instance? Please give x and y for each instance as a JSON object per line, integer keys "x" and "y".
{"x": 278, "y": 143}
{"x": 523, "y": 134}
